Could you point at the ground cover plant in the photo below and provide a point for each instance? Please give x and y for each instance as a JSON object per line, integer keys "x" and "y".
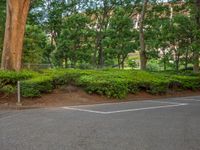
{"x": 113, "y": 83}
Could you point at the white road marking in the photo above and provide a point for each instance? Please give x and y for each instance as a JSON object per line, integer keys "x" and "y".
{"x": 118, "y": 103}
{"x": 146, "y": 108}
{"x": 187, "y": 99}
{"x": 125, "y": 110}
{"x": 165, "y": 102}
{"x": 86, "y": 110}
{"x": 193, "y": 100}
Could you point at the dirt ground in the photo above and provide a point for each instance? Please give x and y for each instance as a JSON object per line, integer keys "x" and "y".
{"x": 70, "y": 96}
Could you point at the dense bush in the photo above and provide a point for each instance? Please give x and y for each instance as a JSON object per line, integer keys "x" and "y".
{"x": 8, "y": 89}
{"x": 114, "y": 87}
{"x": 10, "y": 77}
{"x": 35, "y": 86}
{"x": 109, "y": 82}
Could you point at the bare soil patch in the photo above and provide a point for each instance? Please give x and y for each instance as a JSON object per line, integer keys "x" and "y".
{"x": 70, "y": 96}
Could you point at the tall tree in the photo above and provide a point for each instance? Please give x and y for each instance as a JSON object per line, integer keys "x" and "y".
{"x": 143, "y": 56}
{"x": 17, "y": 11}
{"x": 2, "y": 22}
{"x": 119, "y": 37}
{"x": 196, "y": 52}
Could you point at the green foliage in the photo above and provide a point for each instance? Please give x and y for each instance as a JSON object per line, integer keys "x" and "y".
{"x": 132, "y": 63}
{"x": 35, "y": 42}
{"x": 109, "y": 82}
{"x": 105, "y": 85}
{"x": 74, "y": 45}
{"x": 10, "y": 77}
{"x": 8, "y": 89}
{"x": 187, "y": 82}
{"x": 35, "y": 86}
{"x": 153, "y": 65}
{"x": 2, "y": 23}
{"x": 118, "y": 83}
{"x": 8, "y": 80}
{"x": 120, "y": 36}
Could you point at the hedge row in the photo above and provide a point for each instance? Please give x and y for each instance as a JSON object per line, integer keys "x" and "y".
{"x": 35, "y": 86}
{"x": 112, "y": 83}
{"x": 8, "y": 80}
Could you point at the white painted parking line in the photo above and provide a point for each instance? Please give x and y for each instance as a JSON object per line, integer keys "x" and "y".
{"x": 125, "y": 110}
{"x": 118, "y": 103}
{"x": 85, "y": 110}
{"x": 187, "y": 99}
{"x": 164, "y": 102}
{"x": 194, "y": 100}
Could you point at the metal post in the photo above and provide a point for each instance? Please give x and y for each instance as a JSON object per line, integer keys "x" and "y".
{"x": 18, "y": 94}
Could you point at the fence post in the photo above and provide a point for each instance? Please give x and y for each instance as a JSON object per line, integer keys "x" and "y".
{"x": 18, "y": 94}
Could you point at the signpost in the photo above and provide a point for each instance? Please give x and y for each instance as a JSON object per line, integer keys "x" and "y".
{"x": 18, "y": 94}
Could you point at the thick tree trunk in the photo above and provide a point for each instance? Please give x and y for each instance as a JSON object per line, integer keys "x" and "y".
{"x": 143, "y": 60}
{"x": 17, "y": 11}
{"x": 143, "y": 57}
{"x": 196, "y": 52}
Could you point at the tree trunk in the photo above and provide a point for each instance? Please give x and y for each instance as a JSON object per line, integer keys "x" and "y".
{"x": 177, "y": 58}
{"x": 186, "y": 59}
{"x": 196, "y": 61}
{"x": 17, "y": 11}
{"x": 66, "y": 62}
{"x": 101, "y": 56}
{"x": 177, "y": 64}
{"x": 164, "y": 60}
{"x": 143, "y": 60}
{"x": 143, "y": 57}
{"x": 118, "y": 59}
{"x": 99, "y": 48}
{"x": 164, "y": 63}
{"x": 94, "y": 60}
{"x": 123, "y": 60}
{"x": 196, "y": 53}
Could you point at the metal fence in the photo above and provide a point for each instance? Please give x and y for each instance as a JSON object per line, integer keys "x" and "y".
{"x": 36, "y": 66}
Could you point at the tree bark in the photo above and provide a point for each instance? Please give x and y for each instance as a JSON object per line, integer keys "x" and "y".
{"x": 196, "y": 61}
{"x": 118, "y": 60}
{"x": 186, "y": 59}
{"x": 164, "y": 60}
{"x": 101, "y": 55}
{"x": 196, "y": 53}
{"x": 17, "y": 11}
{"x": 143, "y": 57}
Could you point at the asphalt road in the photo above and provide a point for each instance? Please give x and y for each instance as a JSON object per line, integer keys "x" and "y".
{"x": 167, "y": 124}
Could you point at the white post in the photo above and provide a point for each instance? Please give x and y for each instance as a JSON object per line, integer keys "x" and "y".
{"x": 18, "y": 94}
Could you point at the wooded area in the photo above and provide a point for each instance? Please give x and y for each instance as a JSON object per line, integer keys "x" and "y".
{"x": 92, "y": 34}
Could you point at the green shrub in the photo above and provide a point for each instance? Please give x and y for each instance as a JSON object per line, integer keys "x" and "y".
{"x": 35, "y": 86}
{"x": 109, "y": 82}
{"x": 187, "y": 82}
{"x": 158, "y": 87}
{"x": 8, "y": 89}
{"x": 12, "y": 77}
{"x": 63, "y": 76}
{"x": 116, "y": 88}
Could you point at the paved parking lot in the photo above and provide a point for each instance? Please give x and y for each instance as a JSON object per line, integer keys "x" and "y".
{"x": 165, "y": 124}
